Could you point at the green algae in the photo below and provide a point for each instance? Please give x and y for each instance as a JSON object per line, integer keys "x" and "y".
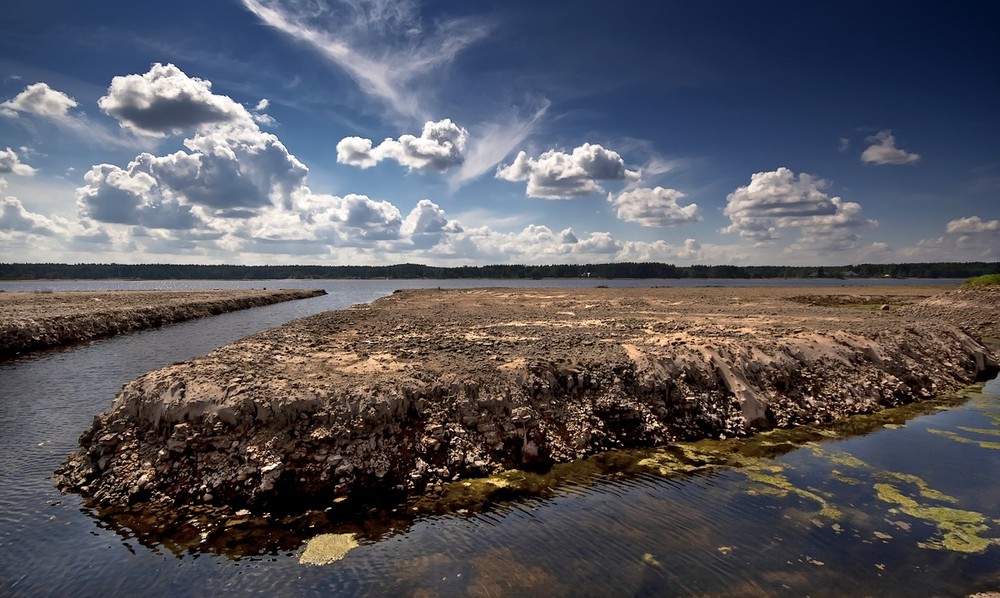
{"x": 327, "y": 548}
{"x": 839, "y": 458}
{"x": 984, "y": 431}
{"x": 682, "y": 459}
{"x": 986, "y": 444}
{"x": 771, "y": 482}
{"x": 959, "y": 530}
{"x": 925, "y": 490}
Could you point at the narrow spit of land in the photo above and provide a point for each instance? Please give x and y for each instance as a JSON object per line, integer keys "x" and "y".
{"x": 31, "y": 321}
{"x": 425, "y": 387}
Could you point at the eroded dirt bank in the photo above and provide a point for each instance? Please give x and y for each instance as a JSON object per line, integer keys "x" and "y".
{"x": 30, "y": 321}
{"x": 428, "y": 386}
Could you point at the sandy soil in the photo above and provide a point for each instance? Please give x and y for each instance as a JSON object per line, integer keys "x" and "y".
{"x": 33, "y": 320}
{"x": 429, "y": 386}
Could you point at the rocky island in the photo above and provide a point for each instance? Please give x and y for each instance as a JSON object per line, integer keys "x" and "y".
{"x": 31, "y": 321}
{"x": 425, "y": 387}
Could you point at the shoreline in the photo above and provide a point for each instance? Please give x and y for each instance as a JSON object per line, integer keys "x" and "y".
{"x": 426, "y": 387}
{"x": 38, "y": 320}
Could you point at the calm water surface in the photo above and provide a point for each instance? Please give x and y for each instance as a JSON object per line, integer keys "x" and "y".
{"x": 909, "y": 510}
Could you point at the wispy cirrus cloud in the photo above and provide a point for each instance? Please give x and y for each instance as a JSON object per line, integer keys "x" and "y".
{"x": 491, "y": 142}
{"x": 383, "y": 45}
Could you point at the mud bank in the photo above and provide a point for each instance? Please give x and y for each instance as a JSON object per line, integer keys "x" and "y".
{"x": 425, "y": 387}
{"x": 31, "y": 321}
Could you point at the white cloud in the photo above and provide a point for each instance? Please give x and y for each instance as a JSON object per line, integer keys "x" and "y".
{"x": 10, "y": 163}
{"x": 781, "y": 200}
{"x": 492, "y": 142}
{"x": 382, "y": 44}
{"x": 953, "y": 247}
{"x": 260, "y": 117}
{"x": 41, "y": 100}
{"x": 688, "y": 252}
{"x": 132, "y": 196}
{"x": 534, "y": 244}
{"x": 14, "y": 218}
{"x": 972, "y": 225}
{"x": 427, "y": 223}
{"x": 884, "y": 151}
{"x": 558, "y": 175}
{"x": 440, "y": 146}
{"x": 165, "y": 100}
{"x": 655, "y": 207}
{"x": 230, "y": 171}
{"x": 18, "y": 225}
{"x": 53, "y": 106}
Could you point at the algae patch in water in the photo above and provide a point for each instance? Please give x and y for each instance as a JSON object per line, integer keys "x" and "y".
{"x": 327, "y": 548}
{"x": 960, "y": 530}
{"x": 771, "y": 482}
{"x": 986, "y": 444}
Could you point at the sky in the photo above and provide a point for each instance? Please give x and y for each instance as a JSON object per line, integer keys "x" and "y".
{"x": 345, "y": 132}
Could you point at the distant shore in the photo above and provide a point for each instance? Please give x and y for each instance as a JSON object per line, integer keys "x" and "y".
{"x": 425, "y": 387}
{"x": 622, "y": 270}
{"x": 32, "y": 321}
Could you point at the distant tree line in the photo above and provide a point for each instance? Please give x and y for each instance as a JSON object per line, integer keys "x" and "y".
{"x": 605, "y": 271}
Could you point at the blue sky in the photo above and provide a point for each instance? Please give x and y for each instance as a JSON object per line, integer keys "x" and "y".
{"x": 452, "y": 133}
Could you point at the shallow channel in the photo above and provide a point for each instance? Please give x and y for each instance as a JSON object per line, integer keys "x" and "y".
{"x": 909, "y": 508}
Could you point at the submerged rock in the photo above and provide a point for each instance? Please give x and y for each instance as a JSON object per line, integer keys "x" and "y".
{"x": 425, "y": 387}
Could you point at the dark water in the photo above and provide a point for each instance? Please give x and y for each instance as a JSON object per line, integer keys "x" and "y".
{"x": 908, "y": 510}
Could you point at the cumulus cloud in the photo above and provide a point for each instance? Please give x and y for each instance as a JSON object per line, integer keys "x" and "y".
{"x": 41, "y": 100}
{"x": 426, "y": 224}
{"x": 656, "y": 207}
{"x": 690, "y": 251}
{"x": 15, "y": 218}
{"x": 10, "y": 163}
{"x": 972, "y": 225}
{"x": 884, "y": 151}
{"x": 440, "y": 146}
{"x": 16, "y": 222}
{"x": 230, "y": 168}
{"x": 229, "y": 171}
{"x": 383, "y": 45}
{"x": 166, "y": 100}
{"x": 132, "y": 196}
{"x": 534, "y": 244}
{"x": 558, "y": 175}
{"x": 780, "y": 199}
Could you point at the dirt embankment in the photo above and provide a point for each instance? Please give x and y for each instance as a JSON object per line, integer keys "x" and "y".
{"x": 428, "y": 386}
{"x": 30, "y": 321}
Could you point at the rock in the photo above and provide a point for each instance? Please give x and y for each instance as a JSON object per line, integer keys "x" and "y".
{"x": 36, "y": 321}
{"x": 342, "y": 403}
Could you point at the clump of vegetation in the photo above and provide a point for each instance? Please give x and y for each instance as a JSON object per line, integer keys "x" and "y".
{"x": 983, "y": 281}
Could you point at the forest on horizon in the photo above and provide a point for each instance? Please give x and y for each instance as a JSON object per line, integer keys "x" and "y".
{"x": 15, "y": 271}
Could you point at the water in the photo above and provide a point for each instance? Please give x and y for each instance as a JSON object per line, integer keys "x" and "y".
{"x": 767, "y": 528}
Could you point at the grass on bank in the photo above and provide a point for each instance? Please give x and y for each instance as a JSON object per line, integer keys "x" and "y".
{"x": 983, "y": 281}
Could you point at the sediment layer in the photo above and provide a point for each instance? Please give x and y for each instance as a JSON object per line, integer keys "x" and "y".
{"x": 31, "y": 321}
{"x": 429, "y": 386}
